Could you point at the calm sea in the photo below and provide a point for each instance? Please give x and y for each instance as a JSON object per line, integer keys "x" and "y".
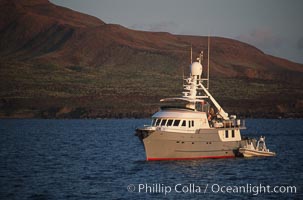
{"x": 102, "y": 159}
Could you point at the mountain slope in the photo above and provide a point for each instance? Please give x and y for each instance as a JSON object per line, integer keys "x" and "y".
{"x": 56, "y": 62}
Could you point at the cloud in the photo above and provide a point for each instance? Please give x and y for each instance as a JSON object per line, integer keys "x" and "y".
{"x": 300, "y": 44}
{"x": 262, "y": 38}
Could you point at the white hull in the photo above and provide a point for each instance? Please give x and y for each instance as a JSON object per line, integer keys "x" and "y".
{"x": 190, "y": 127}
{"x": 253, "y": 153}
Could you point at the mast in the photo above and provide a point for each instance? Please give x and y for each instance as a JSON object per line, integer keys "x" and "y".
{"x": 191, "y": 53}
{"x": 208, "y": 46}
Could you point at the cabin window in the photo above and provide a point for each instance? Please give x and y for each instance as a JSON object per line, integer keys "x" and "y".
{"x": 154, "y": 122}
{"x": 163, "y": 122}
{"x": 226, "y": 133}
{"x": 176, "y": 122}
{"x": 183, "y": 123}
{"x": 191, "y": 123}
{"x": 233, "y": 133}
{"x": 158, "y": 122}
{"x": 169, "y": 122}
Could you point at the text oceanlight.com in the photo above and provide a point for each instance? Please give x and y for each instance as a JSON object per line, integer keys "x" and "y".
{"x": 209, "y": 188}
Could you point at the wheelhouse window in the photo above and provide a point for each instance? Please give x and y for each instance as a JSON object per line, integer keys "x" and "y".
{"x": 169, "y": 122}
{"x": 163, "y": 122}
{"x": 158, "y": 122}
{"x": 177, "y": 122}
{"x": 226, "y": 133}
{"x": 233, "y": 133}
{"x": 172, "y": 122}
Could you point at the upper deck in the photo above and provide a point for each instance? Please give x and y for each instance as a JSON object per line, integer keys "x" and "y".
{"x": 189, "y": 120}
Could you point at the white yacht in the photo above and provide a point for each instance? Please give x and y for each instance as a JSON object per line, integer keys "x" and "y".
{"x": 193, "y": 126}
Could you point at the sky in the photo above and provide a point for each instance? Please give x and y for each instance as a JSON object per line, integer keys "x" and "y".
{"x": 273, "y": 26}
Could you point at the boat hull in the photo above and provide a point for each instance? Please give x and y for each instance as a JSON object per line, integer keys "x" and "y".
{"x": 185, "y": 146}
{"x": 253, "y": 153}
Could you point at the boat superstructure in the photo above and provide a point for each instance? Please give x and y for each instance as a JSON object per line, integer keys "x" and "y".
{"x": 192, "y": 126}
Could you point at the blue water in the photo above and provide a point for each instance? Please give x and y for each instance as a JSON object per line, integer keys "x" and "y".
{"x": 98, "y": 159}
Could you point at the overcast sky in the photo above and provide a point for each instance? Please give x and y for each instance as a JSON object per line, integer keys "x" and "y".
{"x": 274, "y": 26}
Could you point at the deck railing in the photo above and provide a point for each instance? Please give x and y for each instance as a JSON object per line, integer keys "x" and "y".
{"x": 234, "y": 123}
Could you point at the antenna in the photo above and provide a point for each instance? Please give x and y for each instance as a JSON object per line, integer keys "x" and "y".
{"x": 208, "y": 50}
{"x": 200, "y": 58}
{"x": 182, "y": 74}
{"x": 191, "y": 53}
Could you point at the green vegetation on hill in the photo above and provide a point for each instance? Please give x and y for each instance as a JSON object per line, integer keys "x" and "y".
{"x": 76, "y": 66}
{"x": 128, "y": 90}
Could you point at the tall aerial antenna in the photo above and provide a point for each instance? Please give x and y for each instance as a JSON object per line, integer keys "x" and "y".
{"x": 208, "y": 49}
{"x": 182, "y": 74}
{"x": 191, "y": 53}
{"x": 200, "y": 59}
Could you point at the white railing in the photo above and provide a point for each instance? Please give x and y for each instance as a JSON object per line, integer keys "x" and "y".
{"x": 234, "y": 123}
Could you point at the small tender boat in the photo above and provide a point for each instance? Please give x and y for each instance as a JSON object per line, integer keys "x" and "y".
{"x": 250, "y": 150}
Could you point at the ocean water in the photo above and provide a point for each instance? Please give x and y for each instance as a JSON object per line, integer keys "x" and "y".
{"x": 102, "y": 159}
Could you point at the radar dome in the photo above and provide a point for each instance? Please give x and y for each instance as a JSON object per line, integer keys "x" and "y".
{"x": 196, "y": 69}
